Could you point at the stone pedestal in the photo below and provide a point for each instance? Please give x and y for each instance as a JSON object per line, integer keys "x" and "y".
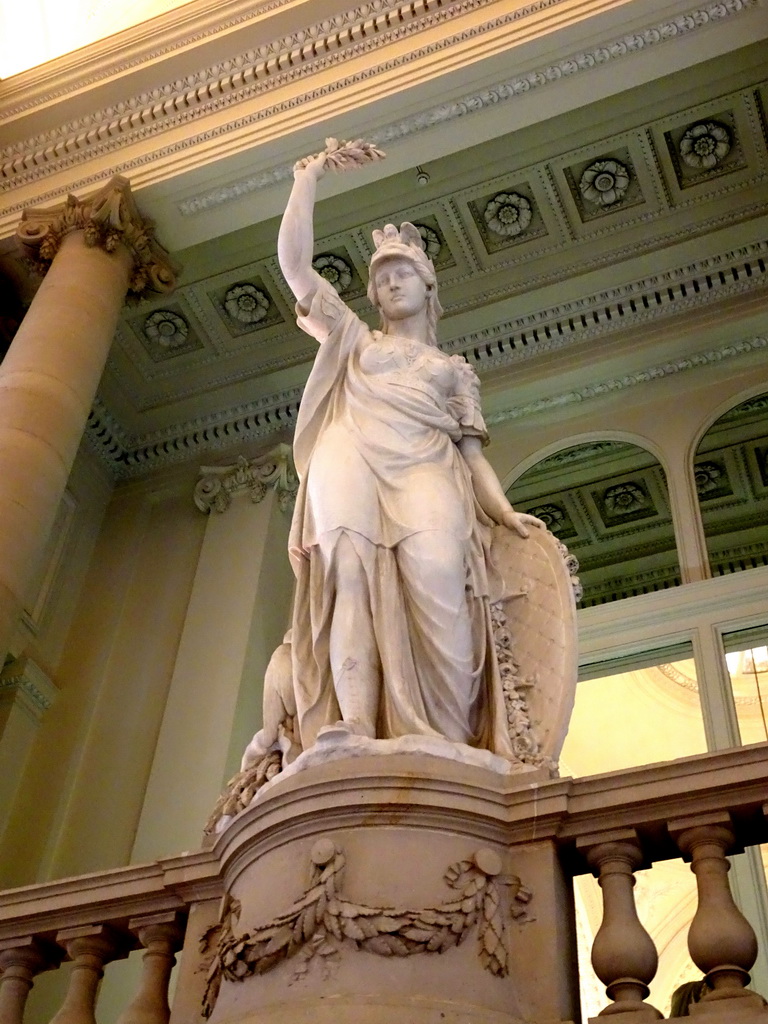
{"x": 386, "y": 888}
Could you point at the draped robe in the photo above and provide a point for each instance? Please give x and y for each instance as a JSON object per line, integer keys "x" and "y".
{"x": 378, "y": 462}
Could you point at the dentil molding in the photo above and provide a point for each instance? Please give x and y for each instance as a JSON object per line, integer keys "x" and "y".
{"x": 473, "y": 103}
{"x": 125, "y": 459}
{"x": 324, "y": 45}
{"x": 356, "y": 32}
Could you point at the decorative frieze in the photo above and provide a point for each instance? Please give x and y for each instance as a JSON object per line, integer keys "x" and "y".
{"x": 599, "y": 187}
{"x": 705, "y": 145}
{"x": 431, "y": 239}
{"x": 108, "y": 218}
{"x": 605, "y": 182}
{"x": 335, "y": 270}
{"x": 584, "y": 61}
{"x": 709, "y": 147}
{"x": 711, "y": 478}
{"x": 246, "y": 303}
{"x": 507, "y": 214}
{"x": 218, "y": 484}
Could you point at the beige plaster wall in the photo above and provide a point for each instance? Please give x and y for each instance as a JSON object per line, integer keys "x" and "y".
{"x": 155, "y": 625}
{"x": 83, "y": 786}
{"x": 40, "y": 637}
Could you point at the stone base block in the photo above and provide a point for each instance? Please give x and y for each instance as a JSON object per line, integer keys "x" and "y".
{"x": 386, "y": 888}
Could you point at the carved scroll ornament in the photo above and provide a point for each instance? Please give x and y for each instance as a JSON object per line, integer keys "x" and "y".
{"x": 321, "y": 920}
{"x": 108, "y": 218}
{"x": 217, "y": 484}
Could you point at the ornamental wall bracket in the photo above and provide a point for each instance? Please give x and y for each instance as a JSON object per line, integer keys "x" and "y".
{"x": 108, "y": 217}
{"x": 217, "y": 484}
{"x": 321, "y": 921}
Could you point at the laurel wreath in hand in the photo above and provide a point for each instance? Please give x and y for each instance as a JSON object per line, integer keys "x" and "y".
{"x": 344, "y": 156}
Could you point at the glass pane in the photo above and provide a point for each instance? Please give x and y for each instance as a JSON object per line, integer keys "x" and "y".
{"x": 731, "y": 468}
{"x": 748, "y": 672}
{"x": 608, "y": 502}
{"x": 646, "y": 713}
{"x": 633, "y": 718}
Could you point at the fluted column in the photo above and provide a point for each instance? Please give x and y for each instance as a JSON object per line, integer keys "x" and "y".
{"x": 721, "y": 941}
{"x": 623, "y": 954}
{"x": 162, "y": 936}
{"x": 92, "y": 251}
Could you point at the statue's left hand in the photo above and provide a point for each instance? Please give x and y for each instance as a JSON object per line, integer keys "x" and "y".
{"x": 520, "y": 521}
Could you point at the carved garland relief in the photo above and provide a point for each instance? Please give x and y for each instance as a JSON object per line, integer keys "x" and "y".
{"x": 321, "y": 921}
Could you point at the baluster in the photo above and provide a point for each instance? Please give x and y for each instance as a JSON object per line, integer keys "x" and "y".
{"x": 90, "y": 947}
{"x": 20, "y": 962}
{"x": 162, "y": 936}
{"x": 721, "y": 941}
{"x": 623, "y": 954}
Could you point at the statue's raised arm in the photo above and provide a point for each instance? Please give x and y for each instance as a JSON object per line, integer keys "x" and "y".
{"x": 295, "y": 241}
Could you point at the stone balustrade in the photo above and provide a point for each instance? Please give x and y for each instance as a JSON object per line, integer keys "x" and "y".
{"x": 95, "y": 919}
{"x": 702, "y": 809}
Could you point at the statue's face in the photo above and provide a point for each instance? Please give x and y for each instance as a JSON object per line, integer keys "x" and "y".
{"x": 400, "y": 290}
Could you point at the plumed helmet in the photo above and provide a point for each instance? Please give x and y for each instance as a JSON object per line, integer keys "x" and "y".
{"x": 403, "y": 244}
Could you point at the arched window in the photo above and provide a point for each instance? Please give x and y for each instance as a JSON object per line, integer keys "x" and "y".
{"x": 608, "y": 502}
{"x": 731, "y": 470}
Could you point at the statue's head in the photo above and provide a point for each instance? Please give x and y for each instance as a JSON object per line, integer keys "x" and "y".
{"x": 406, "y": 244}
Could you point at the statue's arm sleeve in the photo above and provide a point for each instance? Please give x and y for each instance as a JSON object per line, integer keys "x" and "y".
{"x": 464, "y": 404}
{"x": 323, "y": 314}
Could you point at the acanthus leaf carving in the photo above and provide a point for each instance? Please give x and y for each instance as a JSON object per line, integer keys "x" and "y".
{"x": 217, "y": 484}
{"x": 108, "y": 217}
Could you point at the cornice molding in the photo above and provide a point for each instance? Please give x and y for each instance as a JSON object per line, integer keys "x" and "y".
{"x": 103, "y": 52}
{"x": 476, "y": 102}
{"x": 651, "y": 298}
{"x": 282, "y": 62}
{"x": 129, "y": 456}
{"x": 736, "y": 272}
{"x": 362, "y": 29}
{"x": 614, "y": 384}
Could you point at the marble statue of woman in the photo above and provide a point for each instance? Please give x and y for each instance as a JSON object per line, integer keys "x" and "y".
{"x": 392, "y": 632}
{"x": 390, "y": 538}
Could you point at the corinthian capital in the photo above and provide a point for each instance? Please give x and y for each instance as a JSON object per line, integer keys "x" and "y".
{"x": 108, "y": 217}
{"x": 217, "y": 484}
